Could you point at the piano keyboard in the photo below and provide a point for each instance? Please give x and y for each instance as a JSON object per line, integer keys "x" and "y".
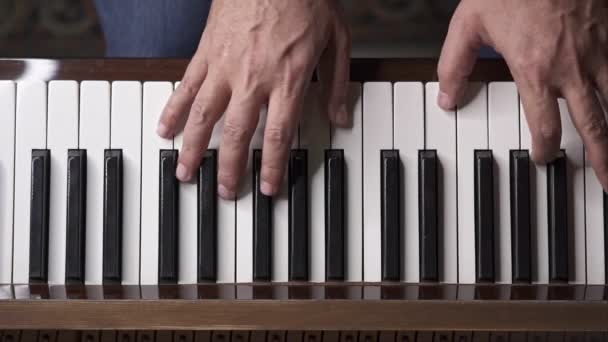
{"x": 409, "y": 193}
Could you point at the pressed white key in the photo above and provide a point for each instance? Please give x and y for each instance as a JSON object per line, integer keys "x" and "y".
{"x": 125, "y": 134}
{"x": 503, "y": 121}
{"x": 573, "y": 145}
{"x": 280, "y": 234}
{"x": 156, "y": 95}
{"x": 472, "y": 134}
{"x": 351, "y": 141}
{"x": 377, "y": 136}
{"x": 95, "y": 138}
{"x": 7, "y": 169}
{"x": 440, "y": 134}
{"x": 594, "y": 216}
{"x": 62, "y": 135}
{"x": 314, "y": 137}
{"x": 188, "y": 233}
{"x": 244, "y": 211}
{"x": 408, "y": 132}
{"x": 280, "y": 228}
{"x": 539, "y": 241}
{"x": 226, "y": 223}
{"x": 30, "y": 134}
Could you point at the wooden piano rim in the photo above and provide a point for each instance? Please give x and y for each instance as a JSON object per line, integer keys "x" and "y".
{"x": 380, "y": 307}
{"x": 362, "y": 70}
{"x": 558, "y": 308}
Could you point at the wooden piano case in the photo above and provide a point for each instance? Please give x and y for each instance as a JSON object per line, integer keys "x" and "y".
{"x": 329, "y": 312}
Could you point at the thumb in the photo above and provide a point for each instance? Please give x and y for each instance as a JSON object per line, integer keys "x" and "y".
{"x": 334, "y": 73}
{"x": 458, "y": 57}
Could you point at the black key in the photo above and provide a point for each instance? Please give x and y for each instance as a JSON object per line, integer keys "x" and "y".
{"x": 520, "y": 216}
{"x": 39, "y": 215}
{"x": 207, "y": 218}
{"x": 334, "y": 215}
{"x": 76, "y": 217}
{"x": 168, "y": 219}
{"x": 112, "y": 216}
{"x": 262, "y": 225}
{"x": 428, "y": 214}
{"x": 298, "y": 216}
{"x": 484, "y": 216}
{"x": 391, "y": 215}
{"x": 557, "y": 189}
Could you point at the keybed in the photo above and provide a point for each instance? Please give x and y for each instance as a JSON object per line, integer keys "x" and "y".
{"x": 399, "y": 196}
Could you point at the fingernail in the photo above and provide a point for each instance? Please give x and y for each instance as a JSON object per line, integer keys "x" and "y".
{"x": 182, "y": 173}
{"x": 225, "y": 193}
{"x": 162, "y": 130}
{"x": 267, "y": 188}
{"x": 445, "y": 102}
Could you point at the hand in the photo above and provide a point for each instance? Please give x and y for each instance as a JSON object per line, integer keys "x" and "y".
{"x": 253, "y": 53}
{"x": 553, "y": 48}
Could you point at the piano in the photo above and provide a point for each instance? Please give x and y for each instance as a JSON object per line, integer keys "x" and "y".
{"x": 413, "y": 224}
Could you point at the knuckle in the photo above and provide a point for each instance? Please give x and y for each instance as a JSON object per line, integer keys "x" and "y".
{"x": 277, "y": 136}
{"x": 188, "y": 86}
{"x": 595, "y": 128}
{"x": 299, "y": 66}
{"x": 550, "y": 132}
{"x": 532, "y": 66}
{"x": 235, "y": 133}
{"x": 200, "y": 114}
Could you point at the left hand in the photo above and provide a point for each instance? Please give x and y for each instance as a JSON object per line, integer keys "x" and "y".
{"x": 553, "y": 48}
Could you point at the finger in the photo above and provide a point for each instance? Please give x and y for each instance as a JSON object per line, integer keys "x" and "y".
{"x": 601, "y": 83}
{"x": 334, "y": 73}
{"x": 283, "y": 117}
{"x": 458, "y": 57}
{"x": 174, "y": 114}
{"x": 542, "y": 114}
{"x": 207, "y": 108}
{"x": 240, "y": 123}
{"x": 590, "y": 122}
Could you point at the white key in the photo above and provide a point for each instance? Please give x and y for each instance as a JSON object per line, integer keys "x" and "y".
{"x": 95, "y": 138}
{"x": 7, "y": 169}
{"x": 539, "y": 241}
{"x": 156, "y": 95}
{"x": 62, "y": 135}
{"x": 440, "y": 133}
{"x": 125, "y": 134}
{"x": 503, "y": 116}
{"x": 280, "y": 228}
{"x": 351, "y": 141}
{"x": 188, "y": 231}
{"x": 226, "y": 224}
{"x": 280, "y": 234}
{"x": 377, "y": 136}
{"x": 594, "y": 215}
{"x": 573, "y": 145}
{"x": 30, "y": 134}
{"x": 472, "y": 134}
{"x": 314, "y": 137}
{"x": 244, "y": 211}
{"x": 408, "y": 131}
